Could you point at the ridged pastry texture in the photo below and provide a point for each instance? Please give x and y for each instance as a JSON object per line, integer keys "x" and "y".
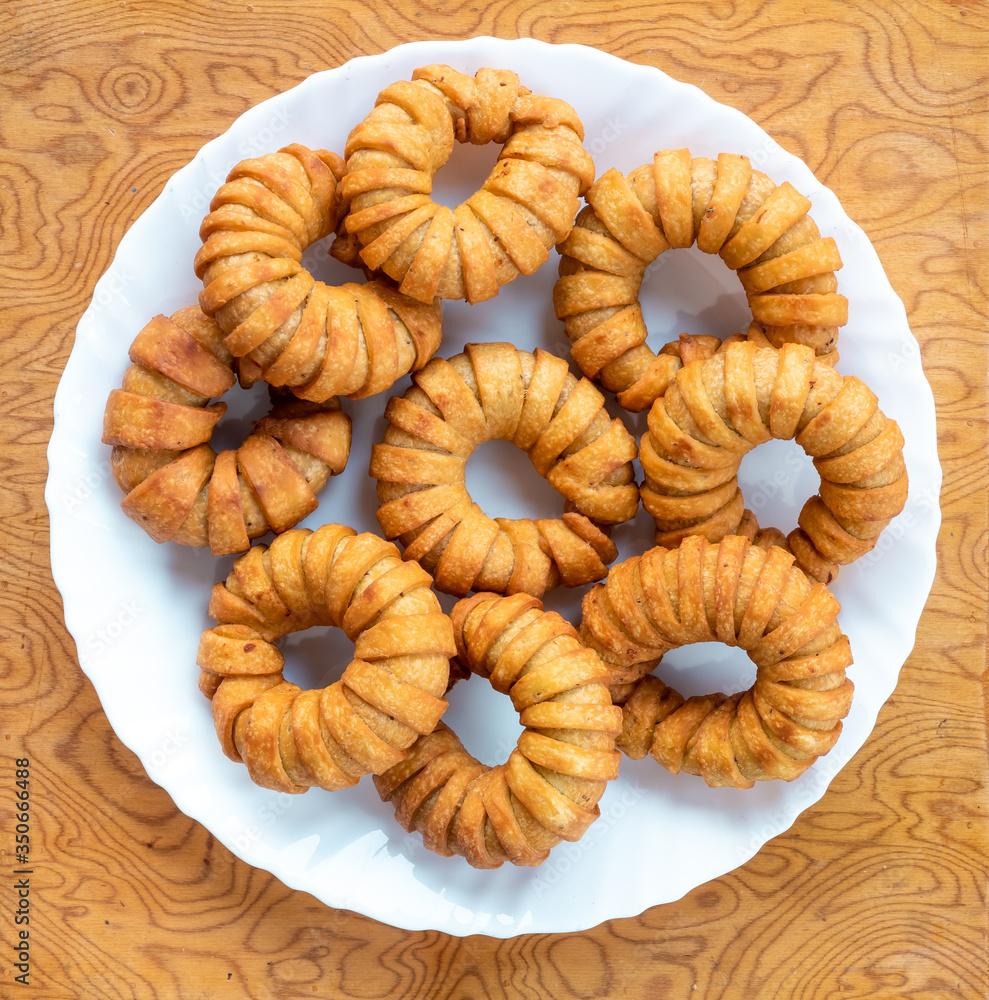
{"x": 490, "y": 392}
{"x": 161, "y": 421}
{"x": 315, "y": 339}
{"x": 389, "y": 695}
{"x": 742, "y": 595}
{"x": 525, "y": 207}
{"x": 689, "y": 347}
{"x": 718, "y": 409}
{"x": 549, "y": 787}
{"x": 760, "y": 230}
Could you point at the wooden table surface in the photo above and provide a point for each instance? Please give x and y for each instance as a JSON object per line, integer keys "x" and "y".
{"x": 879, "y": 890}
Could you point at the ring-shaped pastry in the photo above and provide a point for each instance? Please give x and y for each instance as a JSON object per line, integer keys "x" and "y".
{"x": 388, "y": 696}
{"x": 490, "y": 392}
{"x": 315, "y": 339}
{"x": 742, "y": 595}
{"x": 718, "y": 409}
{"x": 161, "y": 421}
{"x": 761, "y": 231}
{"x": 507, "y": 228}
{"x": 549, "y": 787}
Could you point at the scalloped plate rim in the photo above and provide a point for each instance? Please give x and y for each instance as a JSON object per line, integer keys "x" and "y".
{"x": 573, "y": 920}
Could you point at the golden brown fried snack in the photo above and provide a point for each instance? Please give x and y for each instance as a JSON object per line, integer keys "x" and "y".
{"x": 526, "y": 205}
{"x": 689, "y": 347}
{"x": 293, "y": 331}
{"x": 718, "y": 409}
{"x": 495, "y": 391}
{"x": 160, "y": 423}
{"x": 742, "y": 595}
{"x": 549, "y": 788}
{"x": 760, "y": 230}
{"x": 391, "y": 693}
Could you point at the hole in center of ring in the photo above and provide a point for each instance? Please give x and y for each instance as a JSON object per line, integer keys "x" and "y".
{"x": 316, "y": 657}
{"x": 504, "y": 483}
{"x": 484, "y": 719}
{"x": 244, "y": 408}
{"x": 706, "y": 667}
{"x": 776, "y": 479}
{"x": 687, "y": 291}
{"x": 464, "y": 173}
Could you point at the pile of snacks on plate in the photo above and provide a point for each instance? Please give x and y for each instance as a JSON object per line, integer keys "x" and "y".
{"x": 586, "y": 691}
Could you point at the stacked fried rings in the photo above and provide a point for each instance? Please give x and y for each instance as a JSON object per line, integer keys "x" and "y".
{"x": 264, "y": 313}
{"x": 161, "y": 421}
{"x": 549, "y": 788}
{"x": 759, "y": 230}
{"x": 494, "y": 391}
{"x": 390, "y": 694}
{"x": 718, "y": 409}
{"x": 289, "y": 329}
{"x": 507, "y": 228}
{"x": 742, "y": 595}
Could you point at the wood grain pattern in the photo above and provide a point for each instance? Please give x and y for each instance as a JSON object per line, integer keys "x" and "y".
{"x": 880, "y": 890}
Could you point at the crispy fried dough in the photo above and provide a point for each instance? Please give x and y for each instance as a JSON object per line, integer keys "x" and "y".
{"x": 160, "y": 424}
{"x": 389, "y": 695}
{"x": 742, "y": 595}
{"x": 761, "y": 231}
{"x": 716, "y": 410}
{"x": 315, "y": 339}
{"x": 495, "y": 391}
{"x": 548, "y": 789}
{"x": 525, "y": 207}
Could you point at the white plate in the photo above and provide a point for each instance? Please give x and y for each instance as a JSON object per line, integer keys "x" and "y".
{"x": 136, "y": 609}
